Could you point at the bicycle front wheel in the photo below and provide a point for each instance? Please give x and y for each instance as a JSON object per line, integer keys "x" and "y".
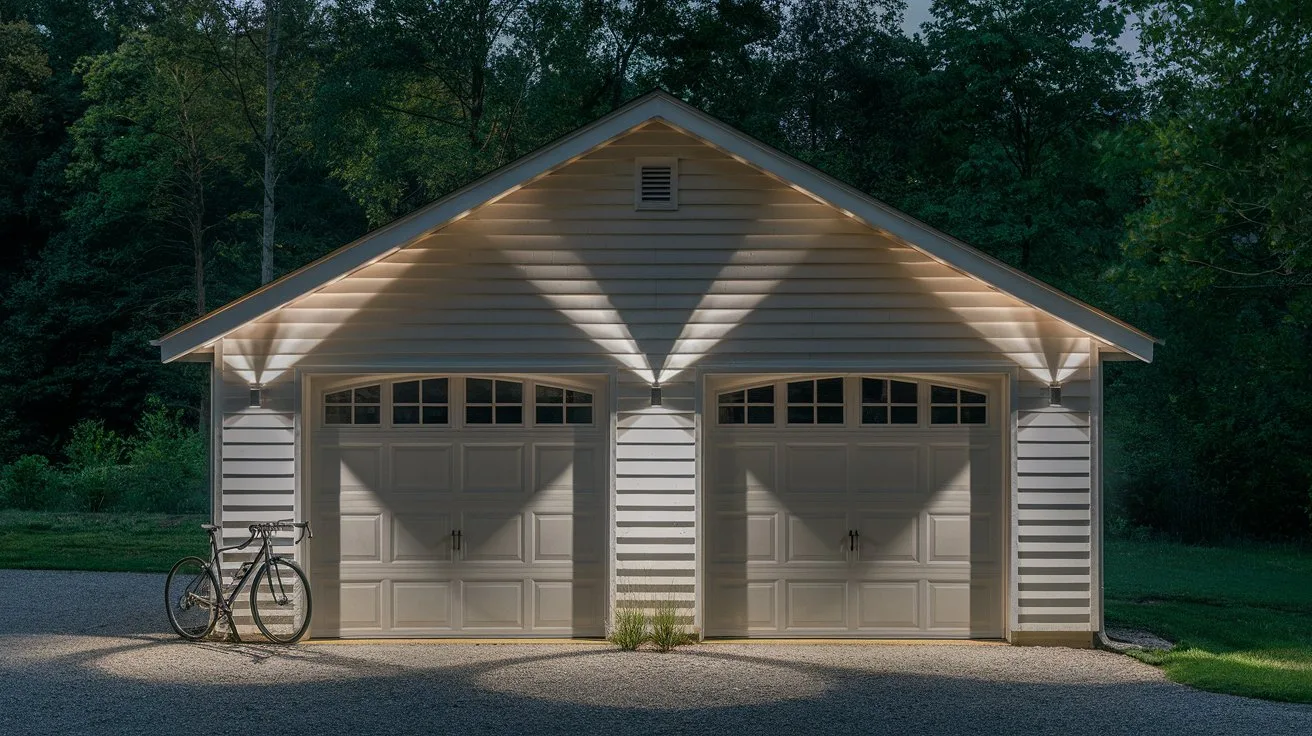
{"x": 191, "y": 598}
{"x": 280, "y": 601}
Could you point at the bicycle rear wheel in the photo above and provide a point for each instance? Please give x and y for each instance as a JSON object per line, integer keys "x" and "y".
{"x": 280, "y": 601}
{"x": 191, "y": 598}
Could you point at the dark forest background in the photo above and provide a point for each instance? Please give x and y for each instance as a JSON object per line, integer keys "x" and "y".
{"x": 160, "y": 158}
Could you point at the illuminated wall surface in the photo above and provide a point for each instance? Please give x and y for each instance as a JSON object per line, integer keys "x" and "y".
{"x": 563, "y": 273}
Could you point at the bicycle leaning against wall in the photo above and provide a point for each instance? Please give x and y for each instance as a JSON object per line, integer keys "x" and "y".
{"x": 280, "y": 593}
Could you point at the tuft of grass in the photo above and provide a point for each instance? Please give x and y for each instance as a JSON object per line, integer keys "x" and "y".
{"x": 1241, "y": 617}
{"x": 667, "y": 630}
{"x": 630, "y": 629}
{"x": 110, "y": 541}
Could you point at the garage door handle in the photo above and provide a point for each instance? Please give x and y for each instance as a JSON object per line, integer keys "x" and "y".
{"x": 852, "y": 536}
{"x": 455, "y": 539}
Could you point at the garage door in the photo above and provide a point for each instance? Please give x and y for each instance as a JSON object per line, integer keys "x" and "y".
{"x": 863, "y": 506}
{"x": 458, "y": 506}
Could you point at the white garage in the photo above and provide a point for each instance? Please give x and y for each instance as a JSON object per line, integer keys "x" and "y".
{"x": 458, "y": 505}
{"x": 854, "y": 505}
{"x": 657, "y": 363}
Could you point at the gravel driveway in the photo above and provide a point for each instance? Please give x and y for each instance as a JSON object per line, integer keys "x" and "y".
{"x": 88, "y": 653}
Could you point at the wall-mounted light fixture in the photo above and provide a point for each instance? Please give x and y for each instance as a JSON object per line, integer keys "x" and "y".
{"x": 1054, "y": 394}
{"x": 257, "y": 396}
{"x": 655, "y": 395}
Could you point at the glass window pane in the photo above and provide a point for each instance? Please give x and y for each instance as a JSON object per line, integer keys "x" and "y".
{"x": 550, "y": 414}
{"x": 874, "y": 415}
{"x": 731, "y": 415}
{"x": 801, "y": 415}
{"x": 436, "y": 415}
{"x": 829, "y": 414}
{"x": 578, "y": 415}
{"x": 405, "y": 393}
{"x": 435, "y": 391}
{"x": 905, "y": 415}
{"x": 405, "y": 414}
{"x": 760, "y": 415}
{"x": 510, "y": 392}
{"x": 801, "y": 392}
{"x": 510, "y": 414}
{"x": 970, "y": 397}
{"x": 942, "y": 395}
{"x": 478, "y": 415}
{"x": 550, "y": 395}
{"x": 943, "y": 415}
{"x": 874, "y": 391}
{"x": 829, "y": 391}
{"x": 733, "y": 397}
{"x": 578, "y": 397}
{"x": 337, "y": 415}
{"x": 366, "y": 414}
{"x": 478, "y": 391}
{"x": 973, "y": 415}
{"x": 902, "y": 392}
{"x": 338, "y": 397}
{"x": 760, "y": 395}
{"x": 368, "y": 394}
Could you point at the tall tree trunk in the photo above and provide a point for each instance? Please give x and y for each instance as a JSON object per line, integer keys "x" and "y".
{"x": 270, "y": 137}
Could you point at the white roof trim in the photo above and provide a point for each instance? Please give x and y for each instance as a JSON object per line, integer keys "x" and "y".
{"x": 203, "y": 332}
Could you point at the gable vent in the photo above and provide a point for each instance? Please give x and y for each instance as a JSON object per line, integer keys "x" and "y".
{"x": 656, "y": 184}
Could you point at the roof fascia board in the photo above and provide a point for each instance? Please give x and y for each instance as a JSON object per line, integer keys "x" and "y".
{"x": 914, "y": 233}
{"x": 394, "y": 235}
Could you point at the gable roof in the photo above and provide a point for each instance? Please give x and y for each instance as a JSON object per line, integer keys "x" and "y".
{"x": 203, "y": 332}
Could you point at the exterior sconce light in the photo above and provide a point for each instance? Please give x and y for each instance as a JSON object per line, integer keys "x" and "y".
{"x": 1054, "y": 394}
{"x": 655, "y": 395}
{"x": 257, "y": 397}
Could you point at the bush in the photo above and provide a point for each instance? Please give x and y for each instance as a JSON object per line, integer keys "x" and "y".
{"x": 630, "y": 629}
{"x": 30, "y": 484}
{"x": 93, "y": 476}
{"x": 167, "y": 465}
{"x": 666, "y": 630}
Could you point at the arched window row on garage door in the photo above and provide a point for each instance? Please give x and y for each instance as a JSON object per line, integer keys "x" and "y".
{"x": 446, "y": 401}
{"x": 849, "y": 401}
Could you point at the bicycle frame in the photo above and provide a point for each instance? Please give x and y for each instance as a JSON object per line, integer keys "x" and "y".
{"x": 263, "y": 557}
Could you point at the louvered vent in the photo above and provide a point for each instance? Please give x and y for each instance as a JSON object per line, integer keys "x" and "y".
{"x": 656, "y": 185}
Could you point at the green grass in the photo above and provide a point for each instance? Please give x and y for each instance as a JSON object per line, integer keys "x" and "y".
{"x": 1241, "y": 618}
{"x": 119, "y": 542}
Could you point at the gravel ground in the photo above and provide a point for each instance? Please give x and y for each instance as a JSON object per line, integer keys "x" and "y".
{"x": 89, "y": 653}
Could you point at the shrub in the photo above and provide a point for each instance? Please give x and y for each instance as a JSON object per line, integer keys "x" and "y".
{"x": 167, "y": 464}
{"x": 29, "y": 483}
{"x": 93, "y": 476}
{"x": 93, "y": 446}
{"x": 666, "y": 630}
{"x": 630, "y": 629}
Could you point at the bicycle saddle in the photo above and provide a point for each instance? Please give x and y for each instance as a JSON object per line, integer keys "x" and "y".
{"x": 210, "y": 527}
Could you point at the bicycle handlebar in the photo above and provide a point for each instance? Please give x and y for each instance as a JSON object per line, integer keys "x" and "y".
{"x": 283, "y": 525}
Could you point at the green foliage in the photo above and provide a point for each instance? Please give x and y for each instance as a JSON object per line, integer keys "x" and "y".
{"x": 122, "y": 542}
{"x": 667, "y": 630}
{"x": 630, "y": 629}
{"x": 30, "y": 483}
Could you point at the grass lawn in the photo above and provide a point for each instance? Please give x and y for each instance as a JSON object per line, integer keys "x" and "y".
{"x": 1241, "y": 618}
{"x": 113, "y": 542}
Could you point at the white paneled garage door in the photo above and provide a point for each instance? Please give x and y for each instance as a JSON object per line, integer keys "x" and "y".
{"x": 458, "y": 506}
{"x": 865, "y": 506}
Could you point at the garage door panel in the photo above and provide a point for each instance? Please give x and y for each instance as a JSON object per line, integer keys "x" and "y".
{"x": 892, "y": 605}
{"x": 422, "y": 468}
{"x": 565, "y": 467}
{"x": 815, "y": 469}
{"x": 493, "y": 605}
{"x": 421, "y": 537}
{"x": 816, "y": 538}
{"x": 889, "y": 537}
{"x": 883, "y": 470}
{"x": 949, "y": 538}
{"x": 949, "y": 605}
{"x": 568, "y": 607}
{"x": 553, "y": 537}
{"x": 492, "y": 537}
{"x": 817, "y": 604}
{"x": 493, "y": 468}
{"x": 746, "y": 538}
{"x": 361, "y": 605}
{"x": 745, "y": 468}
{"x": 427, "y": 605}
{"x": 360, "y": 538}
{"x": 355, "y": 469}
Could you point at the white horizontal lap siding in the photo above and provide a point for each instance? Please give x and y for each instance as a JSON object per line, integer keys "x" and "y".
{"x": 1053, "y": 533}
{"x": 748, "y": 273}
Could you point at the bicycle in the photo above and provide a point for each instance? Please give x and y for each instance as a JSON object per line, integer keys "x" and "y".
{"x": 194, "y": 599}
